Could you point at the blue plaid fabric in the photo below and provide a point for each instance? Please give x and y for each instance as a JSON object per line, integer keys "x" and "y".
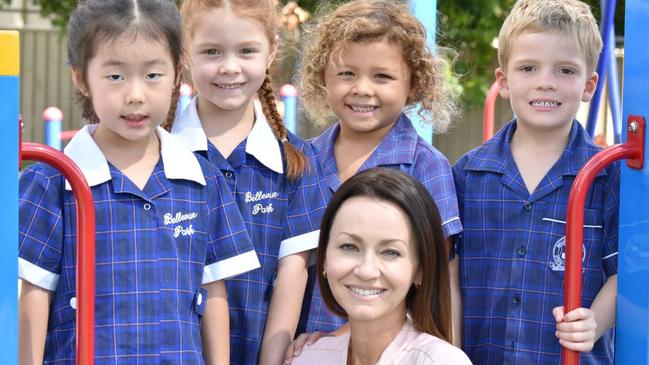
{"x": 402, "y": 149}
{"x": 282, "y": 217}
{"x": 154, "y": 249}
{"x": 512, "y": 250}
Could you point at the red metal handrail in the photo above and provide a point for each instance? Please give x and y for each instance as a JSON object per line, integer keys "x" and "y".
{"x": 85, "y": 244}
{"x": 489, "y": 115}
{"x": 633, "y": 150}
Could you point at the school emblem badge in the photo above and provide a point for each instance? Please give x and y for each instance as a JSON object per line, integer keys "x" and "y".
{"x": 559, "y": 255}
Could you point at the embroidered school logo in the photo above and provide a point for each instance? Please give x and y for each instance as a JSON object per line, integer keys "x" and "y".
{"x": 259, "y": 207}
{"x": 559, "y": 255}
{"x": 177, "y": 219}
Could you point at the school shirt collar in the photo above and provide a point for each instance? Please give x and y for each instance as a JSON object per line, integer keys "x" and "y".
{"x": 495, "y": 154}
{"x": 397, "y": 147}
{"x": 178, "y": 161}
{"x": 260, "y": 143}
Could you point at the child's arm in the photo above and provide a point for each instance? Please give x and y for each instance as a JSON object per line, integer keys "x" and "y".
{"x": 581, "y": 328}
{"x": 215, "y": 329}
{"x": 456, "y": 301}
{"x": 33, "y": 314}
{"x": 285, "y": 306}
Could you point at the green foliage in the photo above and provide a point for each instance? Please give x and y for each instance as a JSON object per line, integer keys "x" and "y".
{"x": 60, "y": 11}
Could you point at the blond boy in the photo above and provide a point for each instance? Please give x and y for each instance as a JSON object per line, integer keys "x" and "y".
{"x": 513, "y": 192}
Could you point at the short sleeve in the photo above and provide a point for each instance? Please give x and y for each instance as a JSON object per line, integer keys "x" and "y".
{"x": 433, "y": 170}
{"x": 610, "y": 212}
{"x": 229, "y": 250}
{"x": 308, "y": 198}
{"x": 40, "y": 249}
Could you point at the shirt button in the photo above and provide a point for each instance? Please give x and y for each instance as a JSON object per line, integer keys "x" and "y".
{"x": 199, "y": 299}
{"x": 73, "y": 302}
{"x": 228, "y": 174}
{"x": 147, "y": 206}
{"x": 522, "y": 251}
{"x": 516, "y": 299}
{"x": 527, "y": 206}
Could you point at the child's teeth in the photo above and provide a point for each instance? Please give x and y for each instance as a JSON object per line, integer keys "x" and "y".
{"x": 362, "y": 109}
{"x": 229, "y": 86}
{"x": 545, "y": 103}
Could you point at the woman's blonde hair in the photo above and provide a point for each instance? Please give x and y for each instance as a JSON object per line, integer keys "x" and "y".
{"x": 363, "y": 21}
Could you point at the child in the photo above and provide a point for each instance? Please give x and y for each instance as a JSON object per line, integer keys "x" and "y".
{"x": 167, "y": 228}
{"x": 234, "y": 122}
{"x": 365, "y": 62}
{"x": 513, "y": 192}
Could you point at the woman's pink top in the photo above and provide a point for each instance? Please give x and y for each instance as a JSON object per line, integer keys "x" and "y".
{"x": 409, "y": 347}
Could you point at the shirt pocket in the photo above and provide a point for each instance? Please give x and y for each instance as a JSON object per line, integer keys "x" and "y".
{"x": 593, "y": 230}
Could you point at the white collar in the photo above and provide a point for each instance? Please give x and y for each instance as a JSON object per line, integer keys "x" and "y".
{"x": 261, "y": 141}
{"x": 178, "y": 161}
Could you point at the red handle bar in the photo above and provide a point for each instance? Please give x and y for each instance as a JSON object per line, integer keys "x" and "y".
{"x": 85, "y": 244}
{"x": 633, "y": 149}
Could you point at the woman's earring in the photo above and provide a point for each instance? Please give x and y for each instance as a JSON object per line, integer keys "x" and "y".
{"x": 418, "y": 285}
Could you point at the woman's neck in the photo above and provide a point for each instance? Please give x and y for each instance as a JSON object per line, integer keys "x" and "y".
{"x": 370, "y": 338}
{"x": 225, "y": 128}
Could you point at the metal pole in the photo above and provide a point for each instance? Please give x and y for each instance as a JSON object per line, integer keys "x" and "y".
{"x": 288, "y": 96}
{"x": 426, "y": 13}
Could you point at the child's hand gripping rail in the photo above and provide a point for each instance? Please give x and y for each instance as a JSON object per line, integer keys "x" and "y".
{"x": 85, "y": 244}
{"x": 633, "y": 150}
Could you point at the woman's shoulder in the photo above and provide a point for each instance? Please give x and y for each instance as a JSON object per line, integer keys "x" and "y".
{"x": 414, "y": 347}
{"x": 436, "y": 350}
{"x": 327, "y": 350}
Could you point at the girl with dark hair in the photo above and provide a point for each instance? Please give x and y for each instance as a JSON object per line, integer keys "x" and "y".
{"x": 383, "y": 265}
{"x": 168, "y": 231}
{"x": 233, "y": 121}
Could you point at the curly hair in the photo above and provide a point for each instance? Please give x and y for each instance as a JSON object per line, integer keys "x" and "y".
{"x": 371, "y": 21}
{"x": 263, "y": 12}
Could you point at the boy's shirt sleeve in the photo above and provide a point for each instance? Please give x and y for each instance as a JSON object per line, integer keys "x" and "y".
{"x": 229, "y": 249}
{"x": 40, "y": 249}
{"x": 611, "y": 210}
{"x": 308, "y": 198}
{"x": 434, "y": 172}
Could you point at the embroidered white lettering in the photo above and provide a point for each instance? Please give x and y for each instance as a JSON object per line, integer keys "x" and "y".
{"x": 259, "y": 196}
{"x": 180, "y": 230}
{"x": 260, "y": 208}
{"x": 178, "y": 217}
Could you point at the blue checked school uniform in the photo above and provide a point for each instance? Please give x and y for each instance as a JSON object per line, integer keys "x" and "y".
{"x": 403, "y": 149}
{"x": 154, "y": 249}
{"x": 512, "y": 250}
{"x": 282, "y": 216}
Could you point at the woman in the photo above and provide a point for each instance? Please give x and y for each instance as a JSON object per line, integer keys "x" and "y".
{"x": 382, "y": 264}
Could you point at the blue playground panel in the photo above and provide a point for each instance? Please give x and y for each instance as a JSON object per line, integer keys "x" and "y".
{"x": 9, "y": 83}
{"x": 632, "y": 336}
{"x": 426, "y": 13}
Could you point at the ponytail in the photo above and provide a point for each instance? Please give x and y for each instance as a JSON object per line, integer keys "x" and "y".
{"x": 296, "y": 163}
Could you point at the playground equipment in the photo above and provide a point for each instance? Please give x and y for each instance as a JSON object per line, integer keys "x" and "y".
{"x": 9, "y": 81}
{"x": 426, "y": 13}
{"x": 53, "y": 121}
{"x": 288, "y": 96}
{"x": 85, "y": 286}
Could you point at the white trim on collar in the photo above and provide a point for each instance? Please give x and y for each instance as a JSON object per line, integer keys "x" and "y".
{"x": 261, "y": 141}
{"x": 178, "y": 162}
{"x": 187, "y": 128}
